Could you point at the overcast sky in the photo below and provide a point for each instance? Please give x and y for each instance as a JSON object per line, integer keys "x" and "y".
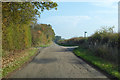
{"x": 73, "y": 18}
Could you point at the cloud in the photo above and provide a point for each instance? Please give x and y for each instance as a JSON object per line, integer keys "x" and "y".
{"x": 65, "y": 25}
{"x": 66, "y": 20}
{"x": 108, "y": 7}
{"x": 115, "y": 12}
{"x": 74, "y": 26}
{"x": 109, "y": 4}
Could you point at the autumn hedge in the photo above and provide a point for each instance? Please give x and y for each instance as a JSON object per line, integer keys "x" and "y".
{"x": 17, "y": 18}
{"x": 103, "y": 43}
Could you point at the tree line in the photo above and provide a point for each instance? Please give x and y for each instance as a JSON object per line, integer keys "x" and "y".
{"x": 42, "y": 34}
{"x": 17, "y": 18}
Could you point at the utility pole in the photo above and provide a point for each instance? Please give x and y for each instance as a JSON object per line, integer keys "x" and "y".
{"x": 85, "y": 34}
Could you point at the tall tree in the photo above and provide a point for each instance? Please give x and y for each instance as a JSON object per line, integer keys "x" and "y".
{"x": 16, "y": 20}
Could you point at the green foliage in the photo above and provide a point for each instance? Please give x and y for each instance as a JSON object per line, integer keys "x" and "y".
{"x": 16, "y": 20}
{"x": 103, "y": 43}
{"x": 42, "y": 34}
{"x": 110, "y": 68}
{"x": 23, "y": 12}
{"x": 16, "y": 37}
{"x": 17, "y": 34}
{"x": 73, "y": 41}
{"x": 105, "y": 36}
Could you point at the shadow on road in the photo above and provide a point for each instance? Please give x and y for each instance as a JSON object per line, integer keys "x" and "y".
{"x": 66, "y": 49}
{"x": 44, "y": 60}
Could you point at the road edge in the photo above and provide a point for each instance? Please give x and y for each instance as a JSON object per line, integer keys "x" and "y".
{"x": 111, "y": 77}
{"x": 24, "y": 64}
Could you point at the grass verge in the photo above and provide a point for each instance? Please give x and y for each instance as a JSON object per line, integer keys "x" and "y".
{"x": 15, "y": 61}
{"x": 106, "y": 66}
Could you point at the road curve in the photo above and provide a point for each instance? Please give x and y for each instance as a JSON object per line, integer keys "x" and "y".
{"x": 57, "y": 62}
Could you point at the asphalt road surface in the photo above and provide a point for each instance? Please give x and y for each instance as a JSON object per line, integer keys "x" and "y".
{"x": 57, "y": 62}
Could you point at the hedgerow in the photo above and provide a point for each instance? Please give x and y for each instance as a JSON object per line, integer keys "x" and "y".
{"x": 104, "y": 44}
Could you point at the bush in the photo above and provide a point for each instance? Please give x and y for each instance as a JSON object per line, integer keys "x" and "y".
{"x": 104, "y": 43}
{"x": 42, "y": 34}
{"x": 16, "y": 37}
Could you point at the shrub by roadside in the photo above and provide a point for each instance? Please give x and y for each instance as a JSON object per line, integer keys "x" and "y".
{"x": 103, "y": 43}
